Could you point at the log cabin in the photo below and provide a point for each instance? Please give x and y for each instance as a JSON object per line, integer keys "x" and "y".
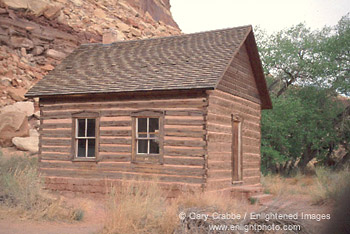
{"x": 182, "y": 110}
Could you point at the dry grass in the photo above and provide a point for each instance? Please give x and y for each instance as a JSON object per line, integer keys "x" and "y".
{"x": 330, "y": 184}
{"x": 141, "y": 207}
{"x": 325, "y": 185}
{"x": 22, "y": 193}
{"x": 279, "y": 185}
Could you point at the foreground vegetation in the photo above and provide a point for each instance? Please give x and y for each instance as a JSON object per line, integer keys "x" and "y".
{"x": 22, "y": 193}
{"x": 141, "y": 207}
{"x": 326, "y": 185}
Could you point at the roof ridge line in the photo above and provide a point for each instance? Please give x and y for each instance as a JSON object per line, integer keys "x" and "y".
{"x": 173, "y": 36}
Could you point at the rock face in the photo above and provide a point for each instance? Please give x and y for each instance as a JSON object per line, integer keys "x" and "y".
{"x": 37, "y": 34}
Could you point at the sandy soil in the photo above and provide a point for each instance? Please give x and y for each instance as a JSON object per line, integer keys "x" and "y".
{"x": 302, "y": 204}
{"x": 93, "y": 221}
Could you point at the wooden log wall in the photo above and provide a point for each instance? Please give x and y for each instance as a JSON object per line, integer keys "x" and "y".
{"x": 184, "y": 138}
{"x": 235, "y": 94}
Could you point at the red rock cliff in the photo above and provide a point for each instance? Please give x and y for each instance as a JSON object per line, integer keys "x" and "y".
{"x": 35, "y": 35}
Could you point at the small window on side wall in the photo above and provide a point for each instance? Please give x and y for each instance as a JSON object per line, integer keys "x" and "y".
{"x": 147, "y": 137}
{"x": 85, "y": 136}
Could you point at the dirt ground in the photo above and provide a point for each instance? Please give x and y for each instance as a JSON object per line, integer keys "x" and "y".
{"x": 92, "y": 222}
{"x": 94, "y": 207}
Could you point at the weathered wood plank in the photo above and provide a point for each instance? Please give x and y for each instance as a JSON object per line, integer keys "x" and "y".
{"x": 115, "y": 140}
{"x": 176, "y": 160}
{"x": 115, "y": 123}
{"x": 116, "y": 149}
{"x": 184, "y": 122}
{"x": 96, "y": 174}
{"x": 56, "y": 142}
{"x": 187, "y": 132}
{"x": 184, "y": 152}
{"x": 57, "y": 133}
{"x": 115, "y": 133}
{"x": 56, "y": 149}
{"x": 189, "y": 143}
{"x": 56, "y": 125}
{"x": 55, "y": 156}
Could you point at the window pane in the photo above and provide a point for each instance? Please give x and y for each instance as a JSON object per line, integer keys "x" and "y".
{"x": 142, "y": 146}
{"x": 81, "y": 127}
{"x": 142, "y": 125}
{"x": 154, "y": 147}
{"x": 91, "y": 148}
{"x": 81, "y": 148}
{"x": 153, "y": 124}
{"x": 91, "y": 127}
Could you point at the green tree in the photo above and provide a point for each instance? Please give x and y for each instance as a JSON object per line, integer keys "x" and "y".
{"x": 306, "y": 70}
{"x": 299, "y": 128}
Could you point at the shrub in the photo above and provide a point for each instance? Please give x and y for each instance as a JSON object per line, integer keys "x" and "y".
{"x": 330, "y": 184}
{"x": 21, "y": 190}
{"x": 140, "y": 207}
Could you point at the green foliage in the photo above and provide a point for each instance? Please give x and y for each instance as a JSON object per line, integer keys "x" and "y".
{"x": 252, "y": 200}
{"x": 306, "y": 70}
{"x": 302, "y": 119}
{"x": 78, "y": 214}
{"x": 335, "y": 50}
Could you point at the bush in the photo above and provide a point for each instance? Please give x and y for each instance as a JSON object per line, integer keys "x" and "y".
{"x": 140, "y": 207}
{"x": 330, "y": 184}
{"x": 21, "y": 190}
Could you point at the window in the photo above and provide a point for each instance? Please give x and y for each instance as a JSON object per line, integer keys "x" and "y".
{"x": 147, "y": 136}
{"x": 85, "y": 136}
{"x": 236, "y": 148}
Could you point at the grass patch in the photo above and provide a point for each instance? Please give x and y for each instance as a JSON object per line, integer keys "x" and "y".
{"x": 139, "y": 208}
{"x": 327, "y": 184}
{"x": 21, "y": 192}
{"x": 330, "y": 184}
{"x": 142, "y": 207}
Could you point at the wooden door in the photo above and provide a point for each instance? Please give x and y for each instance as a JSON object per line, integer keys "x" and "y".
{"x": 236, "y": 148}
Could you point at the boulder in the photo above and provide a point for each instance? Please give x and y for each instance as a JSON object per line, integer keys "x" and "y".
{"x": 52, "y": 12}
{"x": 99, "y": 13}
{"x": 38, "y": 50}
{"x": 110, "y": 37}
{"x": 123, "y": 27}
{"x": 30, "y": 143}
{"x": 135, "y": 32}
{"x": 77, "y": 2}
{"x": 35, "y": 6}
{"x": 19, "y": 42}
{"x": 16, "y": 96}
{"x": 25, "y": 107}
{"x": 37, "y": 114}
{"x": 55, "y": 54}
{"x": 12, "y": 124}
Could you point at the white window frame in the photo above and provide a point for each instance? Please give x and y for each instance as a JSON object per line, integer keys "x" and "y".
{"x": 148, "y": 137}
{"x": 86, "y": 138}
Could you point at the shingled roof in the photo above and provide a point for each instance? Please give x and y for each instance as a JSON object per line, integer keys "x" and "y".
{"x": 192, "y": 61}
